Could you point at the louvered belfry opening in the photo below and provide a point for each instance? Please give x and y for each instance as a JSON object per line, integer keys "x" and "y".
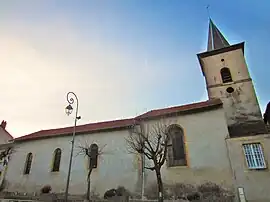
{"x": 226, "y": 75}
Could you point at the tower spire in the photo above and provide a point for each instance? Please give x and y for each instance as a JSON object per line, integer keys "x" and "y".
{"x": 215, "y": 38}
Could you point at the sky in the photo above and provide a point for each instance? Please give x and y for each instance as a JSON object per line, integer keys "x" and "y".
{"x": 120, "y": 57}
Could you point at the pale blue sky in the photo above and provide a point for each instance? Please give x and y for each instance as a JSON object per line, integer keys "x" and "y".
{"x": 120, "y": 57}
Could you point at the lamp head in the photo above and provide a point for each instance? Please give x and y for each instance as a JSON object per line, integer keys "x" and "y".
{"x": 69, "y": 109}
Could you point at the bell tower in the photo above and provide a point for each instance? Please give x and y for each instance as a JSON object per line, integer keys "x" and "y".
{"x": 227, "y": 78}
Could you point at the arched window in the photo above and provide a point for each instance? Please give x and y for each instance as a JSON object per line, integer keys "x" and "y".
{"x": 56, "y": 160}
{"x": 226, "y": 75}
{"x": 28, "y": 163}
{"x": 92, "y": 156}
{"x": 176, "y": 147}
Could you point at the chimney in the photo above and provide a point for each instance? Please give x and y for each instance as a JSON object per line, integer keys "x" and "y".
{"x": 3, "y": 124}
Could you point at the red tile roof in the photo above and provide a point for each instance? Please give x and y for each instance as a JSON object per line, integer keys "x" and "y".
{"x": 182, "y": 108}
{"x": 92, "y": 127}
{"x": 117, "y": 124}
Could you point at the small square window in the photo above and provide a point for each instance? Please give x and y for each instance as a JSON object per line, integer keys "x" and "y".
{"x": 254, "y": 156}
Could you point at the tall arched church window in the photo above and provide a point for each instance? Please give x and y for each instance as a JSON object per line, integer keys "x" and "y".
{"x": 28, "y": 163}
{"x": 226, "y": 75}
{"x": 92, "y": 156}
{"x": 176, "y": 147}
{"x": 56, "y": 160}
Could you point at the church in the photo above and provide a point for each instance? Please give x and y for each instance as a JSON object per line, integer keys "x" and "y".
{"x": 224, "y": 140}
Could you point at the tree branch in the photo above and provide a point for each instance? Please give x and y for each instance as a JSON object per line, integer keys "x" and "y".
{"x": 149, "y": 168}
{"x": 152, "y": 143}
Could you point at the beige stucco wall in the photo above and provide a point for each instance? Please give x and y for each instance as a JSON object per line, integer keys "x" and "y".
{"x": 205, "y": 135}
{"x": 256, "y": 183}
{"x": 116, "y": 166}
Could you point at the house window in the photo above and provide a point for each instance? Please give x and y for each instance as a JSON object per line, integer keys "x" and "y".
{"x": 226, "y": 75}
{"x": 28, "y": 163}
{"x": 176, "y": 147}
{"x": 56, "y": 160}
{"x": 254, "y": 156}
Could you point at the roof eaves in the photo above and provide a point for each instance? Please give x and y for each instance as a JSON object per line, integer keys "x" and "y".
{"x": 31, "y": 137}
{"x": 211, "y": 105}
{"x": 221, "y": 50}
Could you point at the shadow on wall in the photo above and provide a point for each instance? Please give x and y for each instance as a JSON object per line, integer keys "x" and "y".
{"x": 266, "y": 115}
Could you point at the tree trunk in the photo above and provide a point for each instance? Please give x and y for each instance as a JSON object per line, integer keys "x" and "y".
{"x": 160, "y": 185}
{"x": 88, "y": 185}
{"x": 88, "y": 190}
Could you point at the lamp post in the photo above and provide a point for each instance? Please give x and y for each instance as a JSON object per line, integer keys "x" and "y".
{"x": 69, "y": 109}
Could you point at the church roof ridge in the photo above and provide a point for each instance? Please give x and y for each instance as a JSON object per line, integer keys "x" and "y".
{"x": 180, "y": 108}
{"x": 120, "y": 123}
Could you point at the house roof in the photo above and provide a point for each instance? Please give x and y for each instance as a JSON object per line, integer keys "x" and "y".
{"x": 123, "y": 123}
{"x": 8, "y": 134}
{"x": 3, "y": 126}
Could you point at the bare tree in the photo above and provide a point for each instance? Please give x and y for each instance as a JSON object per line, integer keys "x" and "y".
{"x": 4, "y": 158}
{"x": 151, "y": 142}
{"x": 92, "y": 152}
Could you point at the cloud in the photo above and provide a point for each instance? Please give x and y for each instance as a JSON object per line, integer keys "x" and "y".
{"x": 40, "y": 63}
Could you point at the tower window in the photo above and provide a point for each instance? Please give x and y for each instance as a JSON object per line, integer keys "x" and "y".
{"x": 226, "y": 75}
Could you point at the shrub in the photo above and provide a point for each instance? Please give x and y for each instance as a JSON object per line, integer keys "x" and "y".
{"x": 184, "y": 192}
{"x": 122, "y": 191}
{"x": 151, "y": 192}
{"x": 109, "y": 193}
{"x": 207, "y": 192}
{"x": 211, "y": 191}
{"x": 46, "y": 189}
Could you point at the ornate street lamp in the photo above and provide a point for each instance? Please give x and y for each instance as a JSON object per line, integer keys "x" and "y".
{"x": 69, "y": 110}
